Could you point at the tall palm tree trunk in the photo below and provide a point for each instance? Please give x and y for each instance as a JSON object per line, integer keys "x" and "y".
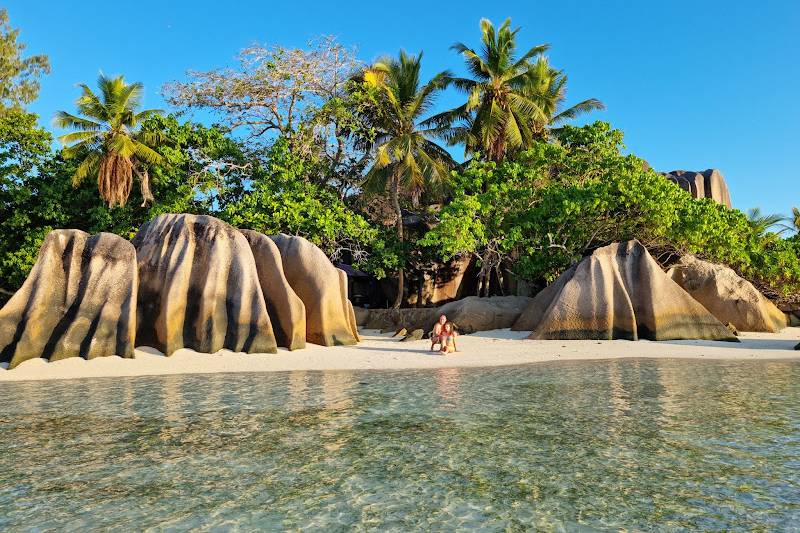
{"x": 395, "y": 196}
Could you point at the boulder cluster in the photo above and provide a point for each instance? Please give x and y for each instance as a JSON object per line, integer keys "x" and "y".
{"x": 709, "y": 183}
{"x": 184, "y": 281}
{"x": 617, "y": 292}
{"x": 190, "y": 281}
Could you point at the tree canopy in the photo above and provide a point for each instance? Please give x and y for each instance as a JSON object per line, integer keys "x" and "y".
{"x": 313, "y": 142}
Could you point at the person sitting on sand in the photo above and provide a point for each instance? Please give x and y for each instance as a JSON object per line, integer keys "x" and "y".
{"x": 436, "y": 334}
{"x": 448, "y": 338}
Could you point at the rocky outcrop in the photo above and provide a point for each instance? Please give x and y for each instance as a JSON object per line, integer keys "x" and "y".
{"x": 362, "y": 315}
{"x": 394, "y": 319}
{"x": 727, "y": 296}
{"x": 286, "y": 310}
{"x": 330, "y": 319}
{"x": 709, "y": 183}
{"x": 619, "y": 292}
{"x": 78, "y": 301}
{"x": 536, "y": 310}
{"x": 483, "y": 314}
{"x": 447, "y": 282}
{"x": 469, "y": 315}
{"x": 199, "y": 288}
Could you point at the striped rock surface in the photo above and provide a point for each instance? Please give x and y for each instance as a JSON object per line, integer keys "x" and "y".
{"x": 330, "y": 318}
{"x": 78, "y": 301}
{"x": 727, "y": 296}
{"x": 286, "y": 310}
{"x": 619, "y": 292}
{"x": 199, "y": 288}
{"x": 709, "y": 183}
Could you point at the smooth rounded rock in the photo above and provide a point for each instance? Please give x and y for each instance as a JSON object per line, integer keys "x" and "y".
{"x": 473, "y": 314}
{"x": 727, "y": 296}
{"x": 286, "y": 310}
{"x": 330, "y": 318}
{"x": 79, "y": 300}
{"x": 619, "y": 292}
{"x": 199, "y": 288}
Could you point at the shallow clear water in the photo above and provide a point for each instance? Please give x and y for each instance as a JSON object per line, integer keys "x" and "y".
{"x": 593, "y": 445}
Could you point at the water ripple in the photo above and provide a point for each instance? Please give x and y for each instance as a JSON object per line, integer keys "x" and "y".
{"x": 635, "y": 444}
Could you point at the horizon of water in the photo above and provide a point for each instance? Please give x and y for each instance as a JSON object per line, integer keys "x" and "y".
{"x": 636, "y": 444}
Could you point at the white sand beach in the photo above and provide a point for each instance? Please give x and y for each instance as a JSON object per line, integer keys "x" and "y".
{"x": 381, "y": 351}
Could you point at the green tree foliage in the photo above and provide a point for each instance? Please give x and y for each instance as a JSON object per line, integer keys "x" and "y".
{"x": 510, "y": 100}
{"x": 339, "y": 153}
{"x": 282, "y": 199}
{"x": 24, "y": 148}
{"x": 201, "y": 168}
{"x": 763, "y": 222}
{"x": 19, "y": 76}
{"x": 107, "y": 141}
{"x": 405, "y": 159}
{"x": 557, "y": 202}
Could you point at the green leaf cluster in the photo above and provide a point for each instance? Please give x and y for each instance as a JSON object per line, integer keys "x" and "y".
{"x": 556, "y": 202}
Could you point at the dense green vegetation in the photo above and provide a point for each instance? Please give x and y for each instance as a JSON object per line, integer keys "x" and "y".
{"x": 311, "y": 142}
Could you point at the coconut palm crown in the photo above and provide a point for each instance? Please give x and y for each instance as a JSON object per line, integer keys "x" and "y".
{"x": 405, "y": 160}
{"x": 107, "y": 140}
{"x": 511, "y": 100}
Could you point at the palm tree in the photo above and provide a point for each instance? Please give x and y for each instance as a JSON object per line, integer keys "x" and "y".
{"x": 511, "y": 101}
{"x": 547, "y": 87}
{"x": 405, "y": 159}
{"x": 107, "y": 141}
{"x": 761, "y": 223}
{"x": 794, "y": 219}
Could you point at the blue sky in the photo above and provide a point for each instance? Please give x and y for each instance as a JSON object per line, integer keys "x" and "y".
{"x": 692, "y": 84}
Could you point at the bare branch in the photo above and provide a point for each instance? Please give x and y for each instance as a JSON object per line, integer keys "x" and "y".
{"x": 272, "y": 88}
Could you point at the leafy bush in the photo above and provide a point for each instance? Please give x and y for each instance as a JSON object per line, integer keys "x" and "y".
{"x": 281, "y": 199}
{"x": 558, "y": 201}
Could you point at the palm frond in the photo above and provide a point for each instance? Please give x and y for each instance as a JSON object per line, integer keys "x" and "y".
{"x": 587, "y": 106}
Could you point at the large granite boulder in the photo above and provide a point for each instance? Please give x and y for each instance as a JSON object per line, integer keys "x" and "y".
{"x": 199, "y": 288}
{"x": 286, "y": 310}
{"x": 330, "y": 318}
{"x": 362, "y": 315}
{"x": 619, "y": 292}
{"x": 446, "y": 282}
{"x": 395, "y": 319}
{"x": 727, "y": 296}
{"x": 78, "y": 301}
{"x": 709, "y": 183}
{"x": 483, "y": 314}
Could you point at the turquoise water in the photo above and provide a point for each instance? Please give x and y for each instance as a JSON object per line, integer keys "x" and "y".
{"x": 638, "y": 444}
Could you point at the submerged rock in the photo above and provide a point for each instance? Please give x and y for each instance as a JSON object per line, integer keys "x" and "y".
{"x": 474, "y": 314}
{"x": 727, "y": 296}
{"x": 330, "y": 318}
{"x": 619, "y": 292}
{"x": 78, "y": 301}
{"x": 709, "y": 183}
{"x": 286, "y": 310}
{"x": 199, "y": 288}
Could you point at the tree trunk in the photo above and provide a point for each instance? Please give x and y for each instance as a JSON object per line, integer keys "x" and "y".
{"x": 395, "y": 194}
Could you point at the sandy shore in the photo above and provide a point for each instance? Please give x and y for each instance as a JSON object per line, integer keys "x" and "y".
{"x": 490, "y": 348}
